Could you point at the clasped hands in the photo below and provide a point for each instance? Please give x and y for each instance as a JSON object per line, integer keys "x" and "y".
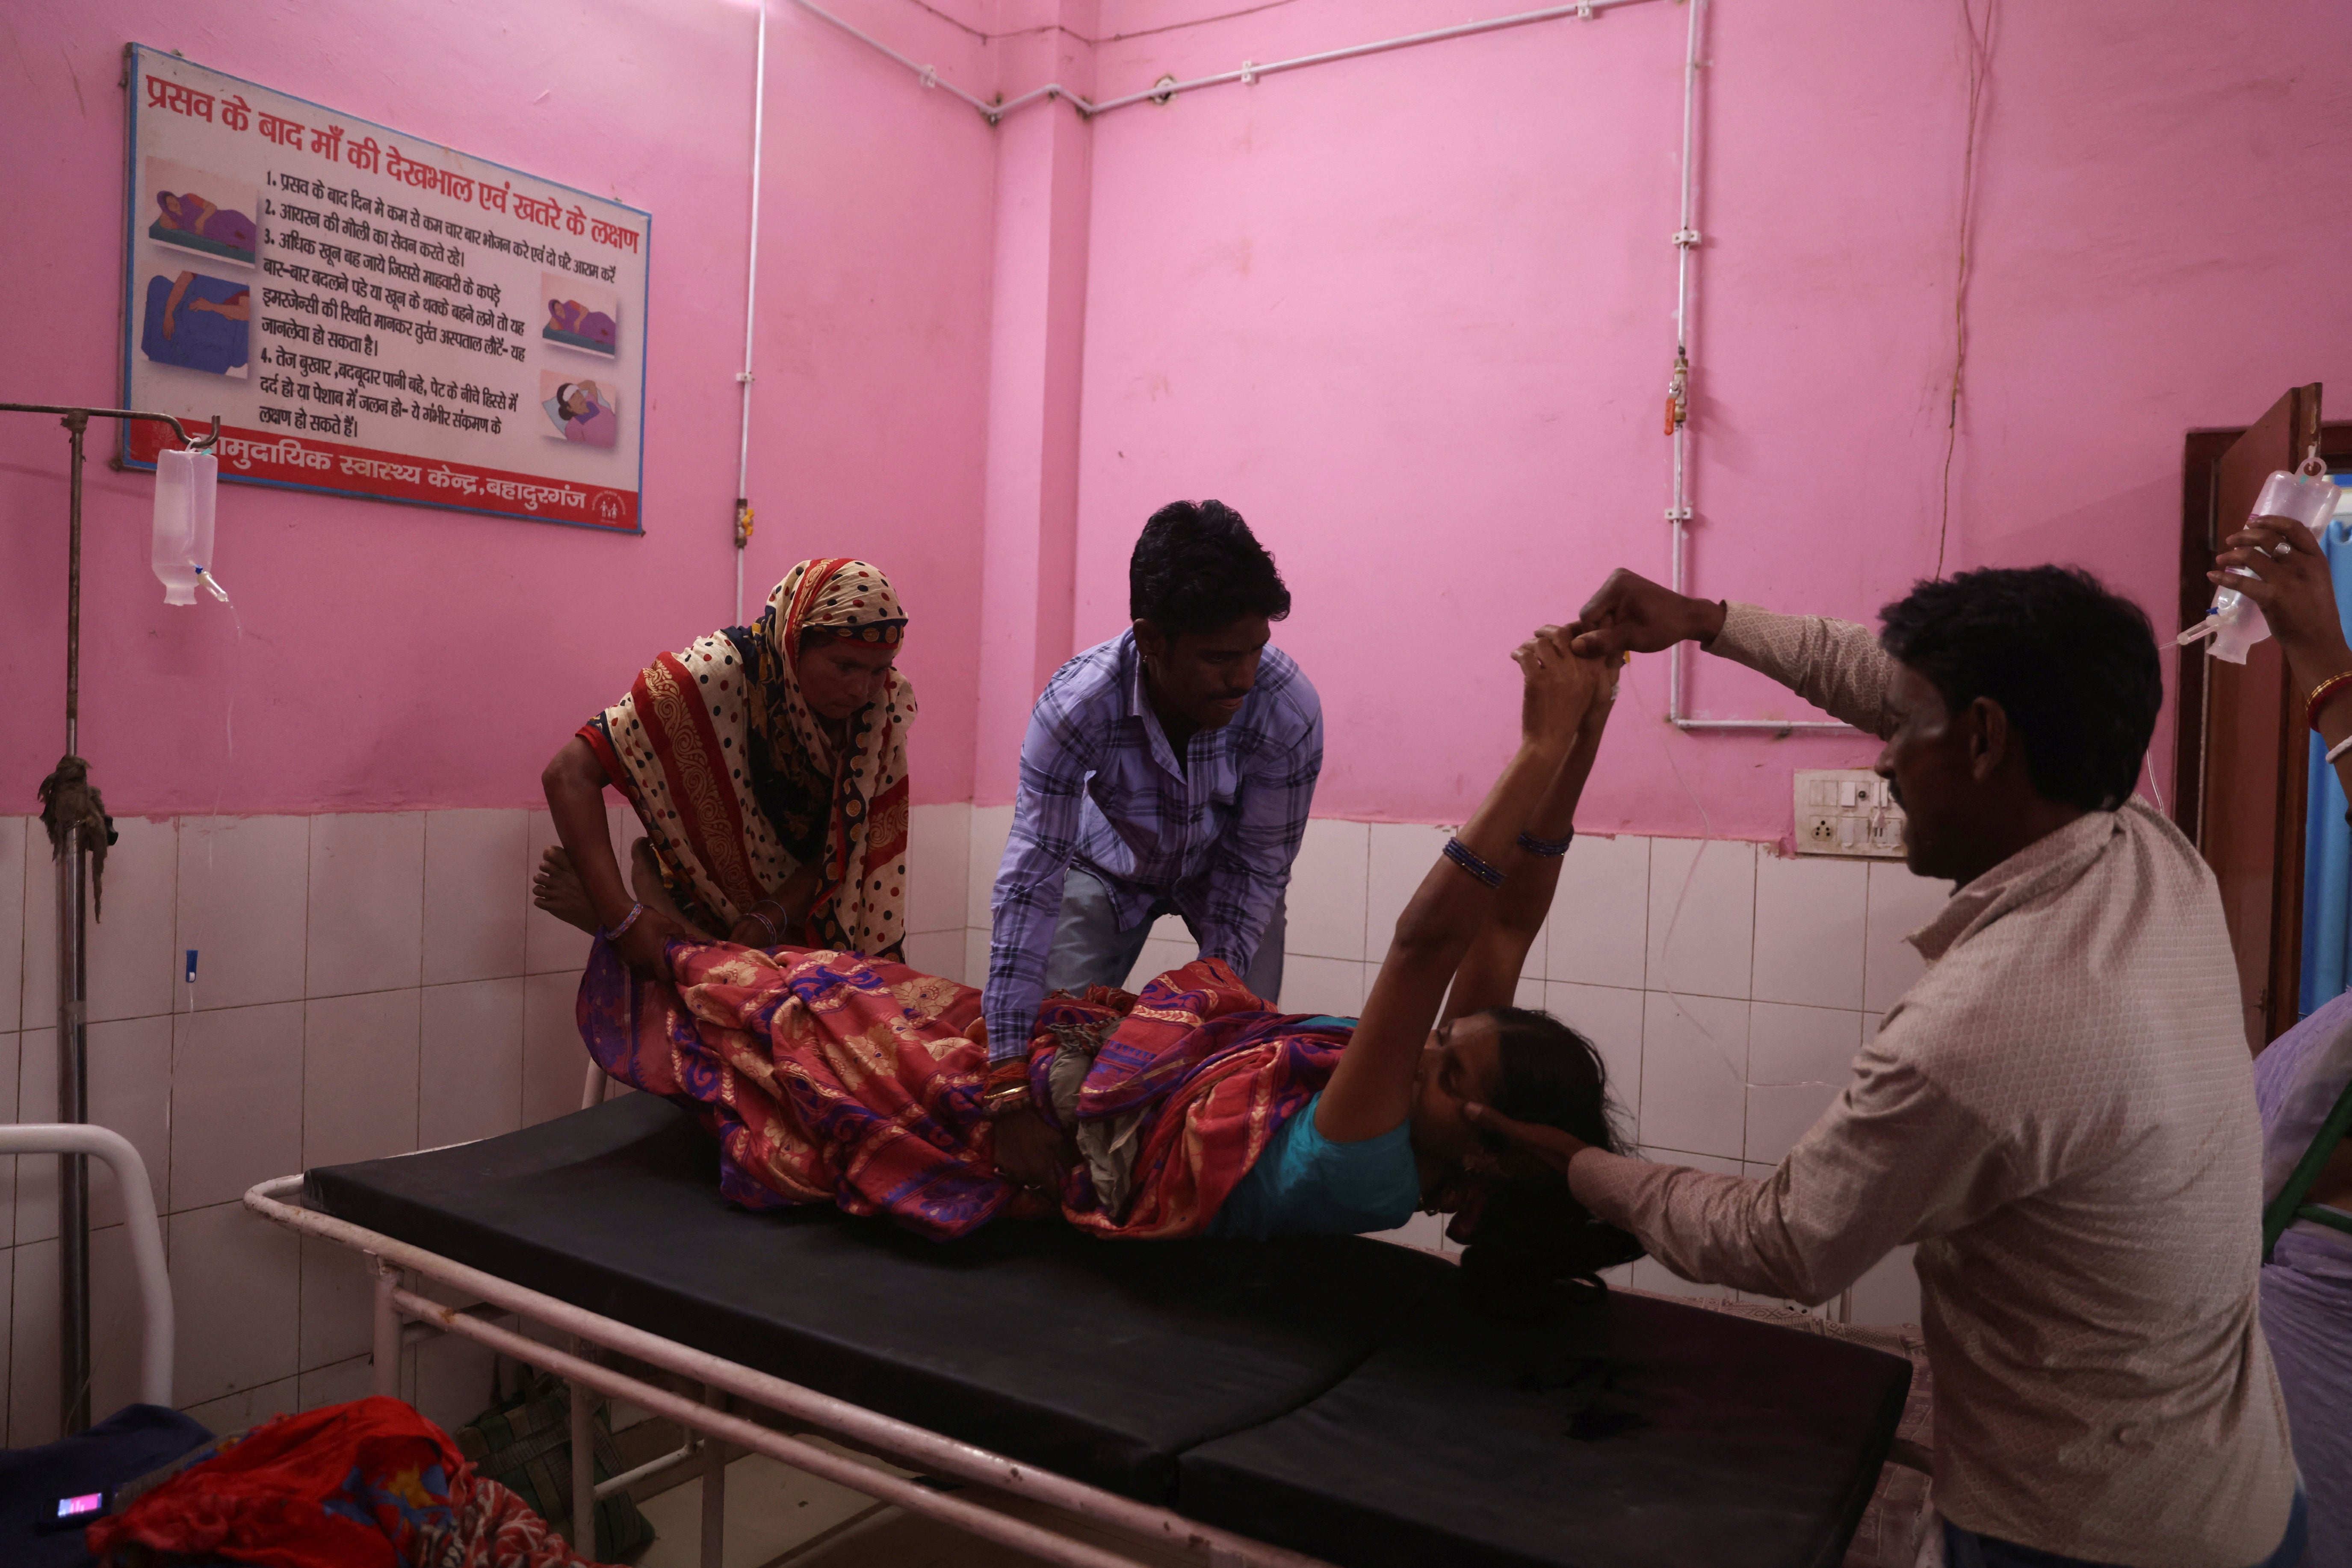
{"x": 1565, "y": 696}
{"x": 1571, "y": 671}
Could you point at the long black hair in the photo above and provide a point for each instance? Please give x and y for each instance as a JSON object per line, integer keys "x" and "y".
{"x": 1532, "y": 1247}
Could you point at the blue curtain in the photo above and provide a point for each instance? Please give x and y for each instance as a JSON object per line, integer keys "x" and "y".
{"x": 2327, "y": 840}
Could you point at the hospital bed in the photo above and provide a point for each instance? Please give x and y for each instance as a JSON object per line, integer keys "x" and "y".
{"x": 1283, "y": 1405}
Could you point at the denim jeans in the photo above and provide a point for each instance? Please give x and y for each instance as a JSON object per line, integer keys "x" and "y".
{"x": 1090, "y": 948}
{"x": 1967, "y": 1549}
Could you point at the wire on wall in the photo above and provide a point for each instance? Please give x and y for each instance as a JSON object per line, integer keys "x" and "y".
{"x": 1980, "y": 34}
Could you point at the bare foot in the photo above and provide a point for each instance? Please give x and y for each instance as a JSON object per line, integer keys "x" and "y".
{"x": 557, "y": 889}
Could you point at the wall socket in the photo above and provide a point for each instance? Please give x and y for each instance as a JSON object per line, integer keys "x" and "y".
{"x": 1847, "y": 811}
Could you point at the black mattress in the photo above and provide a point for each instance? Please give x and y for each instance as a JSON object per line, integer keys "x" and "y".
{"x": 1333, "y": 1395}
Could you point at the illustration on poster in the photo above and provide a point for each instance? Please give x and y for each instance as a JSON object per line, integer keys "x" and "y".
{"x": 386, "y": 350}
{"x": 584, "y": 411}
{"x": 579, "y": 316}
{"x": 196, "y": 209}
{"x": 196, "y": 322}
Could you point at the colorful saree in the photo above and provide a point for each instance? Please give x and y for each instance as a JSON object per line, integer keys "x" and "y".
{"x": 371, "y": 1484}
{"x": 827, "y": 1077}
{"x": 740, "y": 785}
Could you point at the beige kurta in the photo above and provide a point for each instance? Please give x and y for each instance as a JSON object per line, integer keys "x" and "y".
{"x": 2060, "y": 1113}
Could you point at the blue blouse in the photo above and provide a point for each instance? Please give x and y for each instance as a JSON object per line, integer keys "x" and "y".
{"x": 1305, "y": 1185}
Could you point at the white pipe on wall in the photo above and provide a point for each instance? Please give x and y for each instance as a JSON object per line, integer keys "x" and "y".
{"x": 1686, "y": 241}
{"x": 1678, "y": 510}
{"x": 1248, "y": 72}
{"x": 750, "y": 302}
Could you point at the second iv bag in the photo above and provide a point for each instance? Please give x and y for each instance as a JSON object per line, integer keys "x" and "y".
{"x": 182, "y": 551}
{"x": 2235, "y": 623}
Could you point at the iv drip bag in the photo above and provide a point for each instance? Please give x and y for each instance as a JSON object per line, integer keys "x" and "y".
{"x": 185, "y": 486}
{"x": 2236, "y": 623}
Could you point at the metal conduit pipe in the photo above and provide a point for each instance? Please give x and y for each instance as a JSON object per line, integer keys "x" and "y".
{"x": 1686, "y": 241}
{"x": 1249, "y": 72}
{"x": 1678, "y": 509}
{"x": 750, "y": 300}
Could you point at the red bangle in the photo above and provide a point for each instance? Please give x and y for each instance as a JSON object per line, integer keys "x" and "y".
{"x": 2321, "y": 693}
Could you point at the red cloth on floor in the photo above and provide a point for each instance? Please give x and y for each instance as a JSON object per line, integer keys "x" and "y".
{"x": 371, "y": 1484}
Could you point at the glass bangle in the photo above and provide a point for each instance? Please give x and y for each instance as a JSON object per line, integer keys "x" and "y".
{"x": 1463, "y": 855}
{"x": 2320, "y": 694}
{"x": 1550, "y": 848}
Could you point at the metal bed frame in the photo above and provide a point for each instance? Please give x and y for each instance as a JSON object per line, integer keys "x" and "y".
{"x": 713, "y": 1431}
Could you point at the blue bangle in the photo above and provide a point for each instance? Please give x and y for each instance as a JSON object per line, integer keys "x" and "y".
{"x": 1461, "y": 855}
{"x": 1551, "y": 849}
{"x": 621, "y": 929}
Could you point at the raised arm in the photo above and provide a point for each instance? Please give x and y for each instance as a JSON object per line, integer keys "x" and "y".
{"x": 1489, "y": 974}
{"x": 1837, "y": 666}
{"x": 1371, "y": 1092}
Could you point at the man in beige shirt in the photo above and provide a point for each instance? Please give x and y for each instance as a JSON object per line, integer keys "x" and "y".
{"x": 2060, "y": 1113}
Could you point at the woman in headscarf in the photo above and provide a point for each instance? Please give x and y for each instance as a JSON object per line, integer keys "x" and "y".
{"x": 768, "y": 764}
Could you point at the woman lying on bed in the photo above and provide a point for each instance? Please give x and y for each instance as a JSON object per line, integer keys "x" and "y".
{"x": 1193, "y": 1109}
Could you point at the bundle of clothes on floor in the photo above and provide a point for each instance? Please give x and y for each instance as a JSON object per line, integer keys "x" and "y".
{"x": 370, "y": 1484}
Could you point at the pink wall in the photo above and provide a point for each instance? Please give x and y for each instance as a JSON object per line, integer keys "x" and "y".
{"x": 395, "y": 656}
{"x": 1411, "y": 315}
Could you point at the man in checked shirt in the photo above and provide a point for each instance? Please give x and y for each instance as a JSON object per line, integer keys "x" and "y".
{"x": 1168, "y": 770}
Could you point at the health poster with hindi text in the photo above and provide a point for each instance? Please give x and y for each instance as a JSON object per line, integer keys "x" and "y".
{"x": 371, "y": 315}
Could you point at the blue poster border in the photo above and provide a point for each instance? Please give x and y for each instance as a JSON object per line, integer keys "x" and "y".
{"x": 137, "y": 53}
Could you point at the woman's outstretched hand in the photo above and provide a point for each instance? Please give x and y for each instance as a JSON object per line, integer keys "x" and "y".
{"x": 2292, "y": 584}
{"x": 1561, "y": 689}
{"x": 1548, "y": 1144}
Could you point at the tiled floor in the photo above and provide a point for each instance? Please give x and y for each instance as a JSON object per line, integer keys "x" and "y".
{"x": 776, "y": 1514}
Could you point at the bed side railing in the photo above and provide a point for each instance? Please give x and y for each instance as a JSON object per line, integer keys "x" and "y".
{"x": 146, "y": 1233}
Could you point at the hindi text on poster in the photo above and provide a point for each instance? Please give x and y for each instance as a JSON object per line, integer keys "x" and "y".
{"x": 377, "y": 316}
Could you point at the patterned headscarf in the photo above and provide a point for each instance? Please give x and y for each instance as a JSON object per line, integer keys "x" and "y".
{"x": 739, "y": 785}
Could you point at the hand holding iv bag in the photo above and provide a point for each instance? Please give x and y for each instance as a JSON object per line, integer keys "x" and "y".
{"x": 2234, "y": 622}
{"x": 185, "y": 482}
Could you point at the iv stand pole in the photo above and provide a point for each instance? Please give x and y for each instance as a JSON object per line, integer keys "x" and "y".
{"x": 72, "y": 851}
